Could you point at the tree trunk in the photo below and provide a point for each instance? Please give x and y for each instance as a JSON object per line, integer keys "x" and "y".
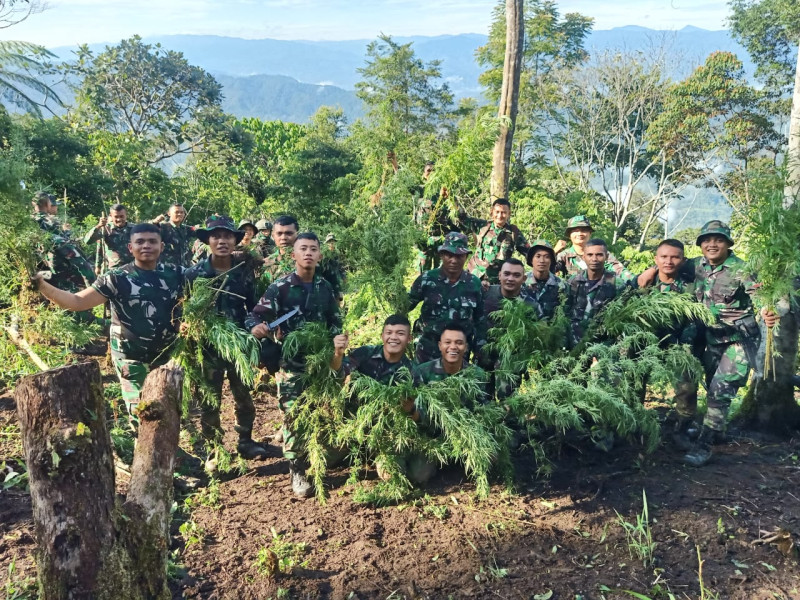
{"x": 509, "y": 96}
{"x": 86, "y": 547}
{"x": 792, "y": 188}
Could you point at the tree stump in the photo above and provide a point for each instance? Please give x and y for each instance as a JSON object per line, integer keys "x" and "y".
{"x": 86, "y": 546}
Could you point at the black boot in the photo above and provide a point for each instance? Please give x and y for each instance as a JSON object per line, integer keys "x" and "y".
{"x": 685, "y": 433}
{"x": 301, "y": 486}
{"x": 701, "y": 453}
{"x": 248, "y": 448}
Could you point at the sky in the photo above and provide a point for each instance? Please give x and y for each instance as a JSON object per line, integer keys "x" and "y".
{"x": 67, "y": 22}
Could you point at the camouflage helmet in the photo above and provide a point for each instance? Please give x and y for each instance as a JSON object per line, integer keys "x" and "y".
{"x": 219, "y": 222}
{"x": 578, "y": 221}
{"x": 455, "y": 243}
{"x": 330, "y": 238}
{"x": 263, "y": 224}
{"x": 715, "y": 227}
{"x": 541, "y": 244}
{"x": 245, "y": 222}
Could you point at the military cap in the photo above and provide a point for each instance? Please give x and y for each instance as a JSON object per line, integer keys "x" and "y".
{"x": 455, "y": 243}
{"x": 578, "y": 221}
{"x": 219, "y": 222}
{"x": 40, "y": 197}
{"x": 539, "y": 245}
{"x": 244, "y": 222}
{"x": 715, "y": 227}
{"x": 330, "y": 238}
{"x": 263, "y": 224}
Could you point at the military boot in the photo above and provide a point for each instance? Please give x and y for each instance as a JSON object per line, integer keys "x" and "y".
{"x": 248, "y": 448}
{"x": 301, "y": 486}
{"x": 685, "y": 433}
{"x": 701, "y": 452}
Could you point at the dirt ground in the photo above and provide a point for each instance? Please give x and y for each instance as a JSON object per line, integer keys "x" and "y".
{"x": 553, "y": 539}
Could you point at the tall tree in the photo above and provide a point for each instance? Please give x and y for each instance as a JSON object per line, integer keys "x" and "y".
{"x": 509, "y": 97}
{"x": 22, "y": 67}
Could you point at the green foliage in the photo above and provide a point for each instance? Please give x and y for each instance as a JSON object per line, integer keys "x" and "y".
{"x": 638, "y": 535}
{"x": 289, "y": 555}
{"x": 457, "y": 428}
{"x": 318, "y": 412}
{"x": 22, "y": 67}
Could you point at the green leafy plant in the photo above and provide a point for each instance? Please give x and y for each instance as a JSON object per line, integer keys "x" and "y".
{"x": 281, "y": 555}
{"x": 191, "y": 533}
{"x": 638, "y": 535}
{"x": 17, "y": 587}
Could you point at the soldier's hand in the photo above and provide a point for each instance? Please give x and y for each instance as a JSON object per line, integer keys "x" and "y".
{"x": 102, "y": 222}
{"x": 647, "y": 277}
{"x": 159, "y": 219}
{"x": 260, "y": 331}
{"x": 560, "y": 245}
{"x": 444, "y": 193}
{"x": 770, "y": 317}
{"x": 485, "y": 285}
{"x": 36, "y": 279}
{"x": 340, "y": 344}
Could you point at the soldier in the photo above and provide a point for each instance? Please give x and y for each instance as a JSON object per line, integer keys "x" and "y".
{"x": 382, "y": 362}
{"x": 330, "y": 267}
{"x": 591, "y": 289}
{"x": 144, "y": 296}
{"x": 448, "y": 293}
{"x": 250, "y": 231}
{"x": 306, "y": 291}
{"x": 236, "y": 300}
{"x": 45, "y": 208}
{"x": 432, "y": 216}
{"x": 453, "y": 349}
{"x": 280, "y": 261}
{"x": 115, "y": 238}
{"x": 571, "y": 261}
{"x": 723, "y": 284}
{"x": 548, "y": 289}
{"x": 496, "y": 242}
{"x": 670, "y": 276}
{"x": 263, "y": 239}
{"x": 176, "y": 235}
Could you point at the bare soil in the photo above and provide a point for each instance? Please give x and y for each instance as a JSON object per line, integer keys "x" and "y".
{"x": 551, "y": 539}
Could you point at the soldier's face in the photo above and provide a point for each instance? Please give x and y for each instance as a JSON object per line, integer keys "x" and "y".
{"x": 715, "y": 249}
{"x": 540, "y": 262}
{"x": 177, "y": 214}
{"x": 221, "y": 242}
{"x": 249, "y": 232}
{"x": 595, "y": 257}
{"x": 453, "y": 346}
{"x": 579, "y": 235}
{"x": 51, "y": 208}
{"x": 118, "y": 217}
{"x": 306, "y": 253}
{"x": 669, "y": 260}
{"x": 426, "y": 172}
{"x": 146, "y": 247}
{"x": 500, "y": 214}
{"x": 453, "y": 264}
{"x": 511, "y": 278}
{"x": 285, "y": 235}
{"x": 395, "y": 338}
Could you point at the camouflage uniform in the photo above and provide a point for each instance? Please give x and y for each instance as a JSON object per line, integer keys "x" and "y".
{"x": 436, "y": 227}
{"x": 115, "y": 241}
{"x": 49, "y": 223}
{"x": 317, "y": 303}
{"x": 331, "y": 269}
{"x": 442, "y": 302}
{"x": 237, "y": 299}
{"x": 585, "y": 298}
{"x": 370, "y": 361}
{"x": 494, "y": 245}
{"x": 549, "y": 294}
{"x": 570, "y": 263}
{"x": 143, "y": 318}
{"x": 275, "y": 266}
{"x": 177, "y": 245}
{"x": 727, "y": 290}
{"x": 432, "y": 371}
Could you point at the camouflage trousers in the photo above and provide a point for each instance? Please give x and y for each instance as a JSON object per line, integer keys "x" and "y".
{"x": 215, "y": 369}
{"x": 131, "y": 374}
{"x": 726, "y": 370}
{"x": 290, "y": 387}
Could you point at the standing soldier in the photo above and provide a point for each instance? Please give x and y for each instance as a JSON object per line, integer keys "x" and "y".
{"x": 496, "y": 243}
{"x": 448, "y": 293}
{"x": 591, "y": 289}
{"x": 115, "y": 238}
{"x": 723, "y": 284}
{"x": 236, "y": 299}
{"x": 144, "y": 296}
{"x": 548, "y": 289}
{"x": 280, "y": 262}
{"x": 306, "y": 294}
{"x": 45, "y": 208}
{"x": 176, "y": 235}
{"x": 263, "y": 239}
{"x": 571, "y": 261}
{"x": 249, "y": 229}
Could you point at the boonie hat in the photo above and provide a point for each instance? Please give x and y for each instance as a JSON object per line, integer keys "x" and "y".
{"x": 539, "y": 245}
{"x": 455, "y": 243}
{"x": 578, "y": 221}
{"x": 219, "y": 222}
{"x": 715, "y": 227}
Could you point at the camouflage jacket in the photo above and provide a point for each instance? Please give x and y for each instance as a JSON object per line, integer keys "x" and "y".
{"x": 683, "y": 332}
{"x": 330, "y": 267}
{"x": 585, "y": 298}
{"x": 443, "y": 301}
{"x": 143, "y": 308}
{"x": 569, "y": 263}
{"x": 317, "y": 304}
{"x": 177, "y": 244}
{"x": 48, "y": 223}
{"x": 115, "y": 240}
{"x": 728, "y": 291}
{"x": 370, "y": 361}
{"x": 264, "y": 243}
{"x": 493, "y": 301}
{"x": 276, "y": 265}
{"x": 70, "y": 270}
{"x": 438, "y": 225}
{"x": 238, "y": 295}
{"x": 493, "y": 246}
{"x": 549, "y": 294}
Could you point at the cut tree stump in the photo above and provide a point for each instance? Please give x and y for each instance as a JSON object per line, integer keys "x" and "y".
{"x": 87, "y": 547}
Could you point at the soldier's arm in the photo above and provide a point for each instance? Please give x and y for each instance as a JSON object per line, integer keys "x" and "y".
{"x": 521, "y": 244}
{"x": 415, "y": 296}
{"x": 265, "y": 311}
{"x": 613, "y": 264}
{"x": 93, "y": 235}
{"x": 83, "y": 300}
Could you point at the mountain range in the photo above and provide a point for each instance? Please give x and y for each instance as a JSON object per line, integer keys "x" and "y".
{"x": 290, "y": 79}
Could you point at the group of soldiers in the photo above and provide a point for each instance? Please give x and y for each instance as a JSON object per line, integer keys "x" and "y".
{"x": 457, "y": 298}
